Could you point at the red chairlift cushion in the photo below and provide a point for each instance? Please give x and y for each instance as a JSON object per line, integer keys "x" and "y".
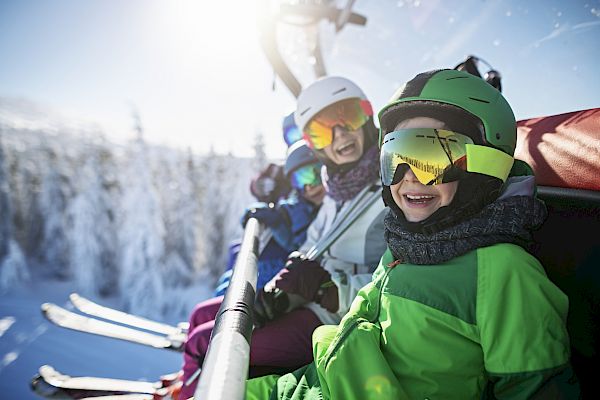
{"x": 563, "y": 149}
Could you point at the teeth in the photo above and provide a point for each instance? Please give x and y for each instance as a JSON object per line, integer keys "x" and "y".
{"x": 411, "y": 197}
{"x": 344, "y": 146}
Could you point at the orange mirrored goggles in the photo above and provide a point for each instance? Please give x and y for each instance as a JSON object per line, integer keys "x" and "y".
{"x": 350, "y": 114}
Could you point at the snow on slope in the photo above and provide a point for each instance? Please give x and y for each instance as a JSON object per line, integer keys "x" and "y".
{"x": 28, "y": 341}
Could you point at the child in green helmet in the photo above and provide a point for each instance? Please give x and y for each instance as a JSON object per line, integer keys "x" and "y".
{"x": 458, "y": 308}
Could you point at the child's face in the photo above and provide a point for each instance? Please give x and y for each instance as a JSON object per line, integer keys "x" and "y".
{"x": 418, "y": 201}
{"x": 314, "y": 193}
{"x": 347, "y": 146}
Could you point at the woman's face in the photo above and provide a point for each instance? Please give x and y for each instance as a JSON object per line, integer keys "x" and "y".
{"x": 418, "y": 201}
{"x": 347, "y": 146}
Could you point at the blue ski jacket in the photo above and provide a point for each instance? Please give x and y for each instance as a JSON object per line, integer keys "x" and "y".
{"x": 288, "y": 224}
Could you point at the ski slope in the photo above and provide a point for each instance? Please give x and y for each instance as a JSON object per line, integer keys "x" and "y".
{"x": 28, "y": 340}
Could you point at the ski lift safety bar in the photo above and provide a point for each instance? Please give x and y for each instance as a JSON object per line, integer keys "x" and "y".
{"x": 363, "y": 200}
{"x": 225, "y": 368}
{"x": 226, "y": 365}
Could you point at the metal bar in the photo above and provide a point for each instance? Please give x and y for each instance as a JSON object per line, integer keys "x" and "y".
{"x": 225, "y": 367}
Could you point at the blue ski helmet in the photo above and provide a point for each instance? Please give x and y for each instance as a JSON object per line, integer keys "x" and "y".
{"x": 299, "y": 155}
{"x": 291, "y": 133}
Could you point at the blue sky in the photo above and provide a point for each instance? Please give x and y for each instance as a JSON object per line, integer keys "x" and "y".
{"x": 195, "y": 71}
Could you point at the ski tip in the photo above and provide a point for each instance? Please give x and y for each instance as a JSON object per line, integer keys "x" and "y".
{"x": 45, "y": 367}
{"x": 74, "y": 296}
{"x": 46, "y": 306}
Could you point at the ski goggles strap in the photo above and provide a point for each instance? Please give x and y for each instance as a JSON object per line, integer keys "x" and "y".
{"x": 489, "y": 161}
{"x": 438, "y": 156}
{"x": 350, "y": 114}
{"x": 307, "y": 175}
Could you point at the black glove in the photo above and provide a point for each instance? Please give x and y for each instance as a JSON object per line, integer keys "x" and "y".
{"x": 307, "y": 279}
{"x": 269, "y": 305}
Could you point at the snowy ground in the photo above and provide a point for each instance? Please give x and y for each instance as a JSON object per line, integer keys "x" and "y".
{"x": 28, "y": 341}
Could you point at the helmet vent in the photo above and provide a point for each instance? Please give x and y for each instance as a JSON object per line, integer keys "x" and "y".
{"x": 457, "y": 77}
{"x": 305, "y": 111}
{"x": 339, "y": 91}
{"x": 480, "y": 100}
{"x": 498, "y": 135}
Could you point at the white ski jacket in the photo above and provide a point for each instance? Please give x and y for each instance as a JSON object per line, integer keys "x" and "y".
{"x": 353, "y": 257}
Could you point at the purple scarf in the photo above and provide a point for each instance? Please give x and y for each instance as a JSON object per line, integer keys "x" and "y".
{"x": 343, "y": 186}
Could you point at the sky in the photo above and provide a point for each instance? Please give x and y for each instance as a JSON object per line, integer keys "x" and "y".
{"x": 195, "y": 73}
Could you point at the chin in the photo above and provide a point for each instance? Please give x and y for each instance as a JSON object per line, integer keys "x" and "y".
{"x": 349, "y": 158}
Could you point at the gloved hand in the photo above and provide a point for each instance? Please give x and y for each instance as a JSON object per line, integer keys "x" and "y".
{"x": 269, "y": 305}
{"x": 307, "y": 279}
{"x": 270, "y": 185}
{"x": 265, "y": 213}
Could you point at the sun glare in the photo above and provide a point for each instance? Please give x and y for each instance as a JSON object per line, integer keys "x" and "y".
{"x": 204, "y": 27}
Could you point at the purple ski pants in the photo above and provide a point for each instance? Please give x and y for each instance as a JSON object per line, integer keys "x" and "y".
{"x": 283, "y": 343}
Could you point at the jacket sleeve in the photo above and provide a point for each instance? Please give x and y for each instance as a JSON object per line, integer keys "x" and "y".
{"x": 297, "y": 216}
{"x": 522, "y": 320}
{"x": 349, "y": 360}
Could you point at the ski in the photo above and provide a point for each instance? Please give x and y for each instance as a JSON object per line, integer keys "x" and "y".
{"x": 89, "y": 307}
{"x": 71, "y": 320}
{"x": 52, "y": 384}
{"x": 135, "y": 396}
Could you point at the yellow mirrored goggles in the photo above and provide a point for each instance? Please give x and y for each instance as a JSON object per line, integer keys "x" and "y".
{"x": 350, "y": 114}
{"x": 438, "y": 156}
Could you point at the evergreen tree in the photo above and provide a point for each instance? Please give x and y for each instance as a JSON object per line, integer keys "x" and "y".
{"x": 179, "y": 212}
{"x": 141, "y": 236}
{"x": 260, "y": 156}
{"x": 213, "y": 211}
{"x": 13, "y": 268}
{"x": 53, "y": 204}
{"x": 92, "y": 234}
{"x": 5, "y": 207}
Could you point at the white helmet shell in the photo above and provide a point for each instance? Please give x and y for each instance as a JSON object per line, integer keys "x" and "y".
{"x": 322, "y": 93}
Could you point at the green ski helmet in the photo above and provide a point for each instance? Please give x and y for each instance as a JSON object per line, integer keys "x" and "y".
{"x": 469, "y": 105}
{"x": 472, "y": 105}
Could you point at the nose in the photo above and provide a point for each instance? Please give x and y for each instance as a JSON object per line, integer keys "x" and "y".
{"x": 409, "y": 176}
{"x": 339, "y": 130}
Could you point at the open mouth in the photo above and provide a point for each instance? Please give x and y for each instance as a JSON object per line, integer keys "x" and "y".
{"x": 346, "y": 149}
{"x": 418, "y": 199}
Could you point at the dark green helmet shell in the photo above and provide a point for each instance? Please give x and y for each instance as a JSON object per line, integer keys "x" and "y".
{"x": 463, "y": 91}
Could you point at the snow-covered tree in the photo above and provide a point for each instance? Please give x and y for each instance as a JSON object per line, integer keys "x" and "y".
{"x": 13, "y": 268}
{"x": 260, "y": 156}
{"x": 53, "y": 204}
{"x": 226, "y": 181}
{"x": 213, "y": 212}
{"x": 91, "y": 231}
{"x": 23, "y": 163}
{"x": 141, "y": 236}
{"x": 174, "y": 214}
{"x": 5, "y": 207}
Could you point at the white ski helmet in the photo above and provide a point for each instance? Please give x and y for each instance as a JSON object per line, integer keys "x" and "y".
{"x": 322, "y": 93}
